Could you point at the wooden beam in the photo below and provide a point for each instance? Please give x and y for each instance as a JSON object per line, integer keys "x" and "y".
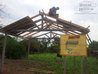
{"x": 76, "y": 32}
{"x": 63, "y": 32}
{"x": 64, "y": 21}
{"x": 65, "y": 28}
{"x": 67, "y": 22}
{"x": 41, "y": 35}
{"x": 25, "y": 31}
{"x": 35, "y": 16}
{"x": 59, "y": 26}
{"x": 34, "y": 33}
{"x": 29, "y": 32}
{"x": 53, "y": 27}
{"x": 48, "y": 15}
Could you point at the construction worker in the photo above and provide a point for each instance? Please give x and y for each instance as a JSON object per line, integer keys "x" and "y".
{"x": 52, "y": 12}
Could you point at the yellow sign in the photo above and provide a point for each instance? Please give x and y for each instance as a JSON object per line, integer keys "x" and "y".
{"x": 73, "y": 45}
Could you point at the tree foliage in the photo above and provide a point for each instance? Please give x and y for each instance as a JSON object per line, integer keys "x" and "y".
{"x": 55, "y": 45}
{"x": 18, "y": 50}
{"x": 33, "y": 45}
{"x": 93, "y": 46}
{"x": 93, "y": 49}
{"x": 14, "y": 50}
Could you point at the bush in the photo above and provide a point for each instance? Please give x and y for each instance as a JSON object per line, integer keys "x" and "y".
{"x": 93, "y": 48}
{"x": 1, "y": 43}
{"x": 54, "y": 48}
{"x": 14, "y": 50}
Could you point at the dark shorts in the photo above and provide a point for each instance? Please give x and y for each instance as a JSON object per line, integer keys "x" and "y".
{"x": 50, "y": 13}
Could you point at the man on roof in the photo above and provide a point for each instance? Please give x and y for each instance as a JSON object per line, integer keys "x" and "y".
{"x": 52, "y": 12}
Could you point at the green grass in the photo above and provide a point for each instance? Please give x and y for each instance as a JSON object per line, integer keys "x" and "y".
{"x": 50, "y": 60}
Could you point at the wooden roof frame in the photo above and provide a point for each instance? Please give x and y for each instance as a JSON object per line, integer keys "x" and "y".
{"x": 27, "y": 24}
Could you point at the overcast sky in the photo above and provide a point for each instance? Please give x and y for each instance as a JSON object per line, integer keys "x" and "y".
{"x": 70, "y": 10}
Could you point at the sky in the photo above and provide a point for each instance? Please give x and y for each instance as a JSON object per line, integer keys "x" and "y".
{"x": 81, "y": 12}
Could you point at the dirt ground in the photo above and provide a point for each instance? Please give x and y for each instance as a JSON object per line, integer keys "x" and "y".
{"x": 20, "y": 67}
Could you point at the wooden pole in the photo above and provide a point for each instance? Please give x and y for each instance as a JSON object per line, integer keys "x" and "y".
{"x": 28, "y": 51}
{"x": 64, "y": 64}
{"x": 42, "y": 21}
{"x": 74, "y": 61}
{"x": 70, "y": 57}
{"x": 81, "y": 65}
{"x": 38, "y": 49}
{"x": 3, "y": 54}
{"x": 85, "y": 65}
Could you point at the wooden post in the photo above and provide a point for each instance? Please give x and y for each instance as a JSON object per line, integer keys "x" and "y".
{"x": 28, "y": 51}
{"x": 81, "y": 65}
{"x": 38, "y": 49}
{"x": 42, "y": 20}
{"x": 3, "y": 54}
{"x": 70, "y": 57}
{"x": 85, "y": 65}
{"x": 64, "y": 64}
{"x": 74, "y": 61}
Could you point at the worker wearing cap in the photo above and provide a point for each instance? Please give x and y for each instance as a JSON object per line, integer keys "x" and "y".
{"x": 52, "y": 12}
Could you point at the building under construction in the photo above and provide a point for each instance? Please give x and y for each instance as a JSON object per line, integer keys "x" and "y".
{"x": 31, "y": 28}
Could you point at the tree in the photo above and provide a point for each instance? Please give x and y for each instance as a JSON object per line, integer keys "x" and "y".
{"x": 55, "y": 46}
{"x": 14, "y": 50}
{"x": 33, "y": 45}
{"x": 93, "y": 49}
{"x": 93, "y": 46}
{"x": 1, "y": 43}
{"x": 44, "y": 44}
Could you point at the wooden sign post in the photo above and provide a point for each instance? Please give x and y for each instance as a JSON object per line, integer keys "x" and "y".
{"x": 73, "y": 45}
{"x": 81, "y": 65}
{"x": 64, "y": 64}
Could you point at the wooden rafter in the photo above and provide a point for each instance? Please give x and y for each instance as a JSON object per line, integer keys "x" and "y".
{"x": 20, "y": 27}
{"x": 61, "y": 31}
{"x": 65, "y": 28}
{"x": 34, "y": 33}
{"x": 30, "y": 32}
{"x": 35, "y": 16}
{"x": 54, "y": 27}
{"x": 64, "y": 21}
{"x": 59, "y": 26}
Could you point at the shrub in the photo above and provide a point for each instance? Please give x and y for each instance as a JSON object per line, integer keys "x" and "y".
{"x": 93, "y": 48}
{"x": 14, "y": 50}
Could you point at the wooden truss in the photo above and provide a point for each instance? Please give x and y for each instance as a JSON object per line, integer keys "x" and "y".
{"x": 27, "y": 27}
